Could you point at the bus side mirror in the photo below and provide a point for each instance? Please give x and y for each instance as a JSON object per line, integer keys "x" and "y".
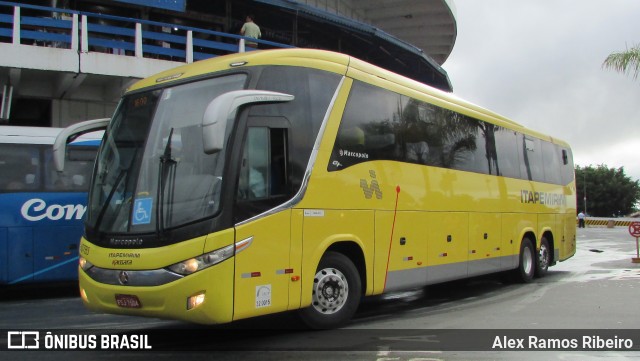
{"x": 71, "y": 132}
{"x": 224, "y": 106}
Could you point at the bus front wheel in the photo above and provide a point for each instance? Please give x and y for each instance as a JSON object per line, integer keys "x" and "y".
{"x": 336, "y": 293}
{"x": 527, "y": 265}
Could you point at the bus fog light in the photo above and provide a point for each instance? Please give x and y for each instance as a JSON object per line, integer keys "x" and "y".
{"x": 83, "y": 295}
{"x": 195, "y": 301}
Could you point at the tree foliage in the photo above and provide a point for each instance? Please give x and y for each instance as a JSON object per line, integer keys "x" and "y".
{"x": 625, "y": 62}
{"x": 609, "y": 191}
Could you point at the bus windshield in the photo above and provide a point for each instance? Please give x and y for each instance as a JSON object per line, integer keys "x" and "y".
{"x": 152, "y": 173}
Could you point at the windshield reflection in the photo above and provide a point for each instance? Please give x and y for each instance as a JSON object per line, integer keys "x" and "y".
{"x": 152, "y": 173}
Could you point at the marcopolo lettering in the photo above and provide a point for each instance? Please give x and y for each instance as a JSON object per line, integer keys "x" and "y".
{"x": 125, "y": 242}
{"x": 348, "y": 153}
{"x": 37, "y": 209}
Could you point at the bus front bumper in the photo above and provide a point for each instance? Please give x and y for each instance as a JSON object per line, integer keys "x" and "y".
{"x": 204, "y": 297}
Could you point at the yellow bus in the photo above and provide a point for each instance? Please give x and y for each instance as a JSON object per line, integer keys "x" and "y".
{"x": 301, "y": 179}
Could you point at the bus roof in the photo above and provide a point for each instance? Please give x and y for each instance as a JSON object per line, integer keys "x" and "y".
{"x": 40, "y": 135}
{"x": 337, "y": 63}
{"x": 321, "y": 59}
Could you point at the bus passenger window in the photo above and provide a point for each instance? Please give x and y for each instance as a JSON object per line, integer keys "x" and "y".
{"x": 78, "y": 165}
{"x": 551, "y": 163}
{"x": 567, "y": 168}
{"x": 532, "y": 162}
{"x": 507, "y": 152}
{"x": 20, "y": 166}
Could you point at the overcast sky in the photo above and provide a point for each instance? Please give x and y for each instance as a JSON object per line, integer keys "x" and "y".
{"x": 539, "y": 62}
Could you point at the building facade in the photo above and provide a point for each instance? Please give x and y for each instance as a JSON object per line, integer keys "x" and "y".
{"x": 66, "y": 61}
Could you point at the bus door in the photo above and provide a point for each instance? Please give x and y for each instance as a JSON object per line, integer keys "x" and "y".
{"x": 263, "y": 266}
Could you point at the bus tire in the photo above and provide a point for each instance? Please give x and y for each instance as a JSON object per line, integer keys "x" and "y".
{"x": 336, "y": 293}
{"x": 544, "y": 258}
{"x": 527, "y": 262}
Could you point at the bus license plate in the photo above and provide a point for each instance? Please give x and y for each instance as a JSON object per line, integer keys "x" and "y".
{"x": 128, "y": 301}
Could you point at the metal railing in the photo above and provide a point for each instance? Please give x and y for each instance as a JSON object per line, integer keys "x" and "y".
{"x": 22, "y": 24}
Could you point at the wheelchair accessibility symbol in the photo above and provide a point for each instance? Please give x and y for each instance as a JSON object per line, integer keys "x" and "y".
{"x": 142, "y": 211}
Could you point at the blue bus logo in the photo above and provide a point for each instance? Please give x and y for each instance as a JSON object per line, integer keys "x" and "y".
{"x": 36, "y": 209}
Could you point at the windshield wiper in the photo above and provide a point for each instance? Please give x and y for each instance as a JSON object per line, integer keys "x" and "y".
{"x": 167, "y": 167}
{"x": 166, "y": 156}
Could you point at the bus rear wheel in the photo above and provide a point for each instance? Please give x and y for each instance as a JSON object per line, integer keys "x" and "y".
{"x": 544, "y": 258}
{"x": 336, "y": 293}
{"x": 527, "y": 265}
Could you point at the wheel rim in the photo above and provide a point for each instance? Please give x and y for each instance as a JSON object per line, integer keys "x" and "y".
{"x": 527, "y": 261}
{"x": 330, "y": 291}
{"x": 544, "y": 256}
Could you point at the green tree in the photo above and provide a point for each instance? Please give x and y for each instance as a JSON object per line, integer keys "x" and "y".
{"x": 609, "y": 191}
{"x": 625, "y": 61}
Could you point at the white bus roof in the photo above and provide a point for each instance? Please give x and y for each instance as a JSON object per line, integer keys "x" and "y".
{"x": 39, "y": 135}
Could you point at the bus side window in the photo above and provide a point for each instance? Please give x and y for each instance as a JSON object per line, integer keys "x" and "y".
{"x": 551, "y": 163}
{"x": 78, "y": 166}
{"x": 263, "y": 169}
{"x": 531, "y": 164}
{"x": 252, "y": 184}
{"x": 507, "y": 152}
{"x": 567, "y": 173}
{"x": 20, "y": 167}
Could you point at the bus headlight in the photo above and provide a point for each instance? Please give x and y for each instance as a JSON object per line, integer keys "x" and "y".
{"x": 84, "y": 264}
{"x": 201, "y": 262}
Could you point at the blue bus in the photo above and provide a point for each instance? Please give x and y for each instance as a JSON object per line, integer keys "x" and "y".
{"x": 42, "y": 209}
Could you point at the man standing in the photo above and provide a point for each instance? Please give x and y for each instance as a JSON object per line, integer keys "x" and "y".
{"x": 251, "y": 30}
{"x": 581, "y": 217}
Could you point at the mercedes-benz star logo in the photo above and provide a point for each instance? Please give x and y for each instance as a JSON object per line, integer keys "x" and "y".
{"x": 123, "y": 277}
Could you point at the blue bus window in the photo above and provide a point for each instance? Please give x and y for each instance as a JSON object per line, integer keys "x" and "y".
{"x": 19, "y": 166}
{"x": 77, "y": 172}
